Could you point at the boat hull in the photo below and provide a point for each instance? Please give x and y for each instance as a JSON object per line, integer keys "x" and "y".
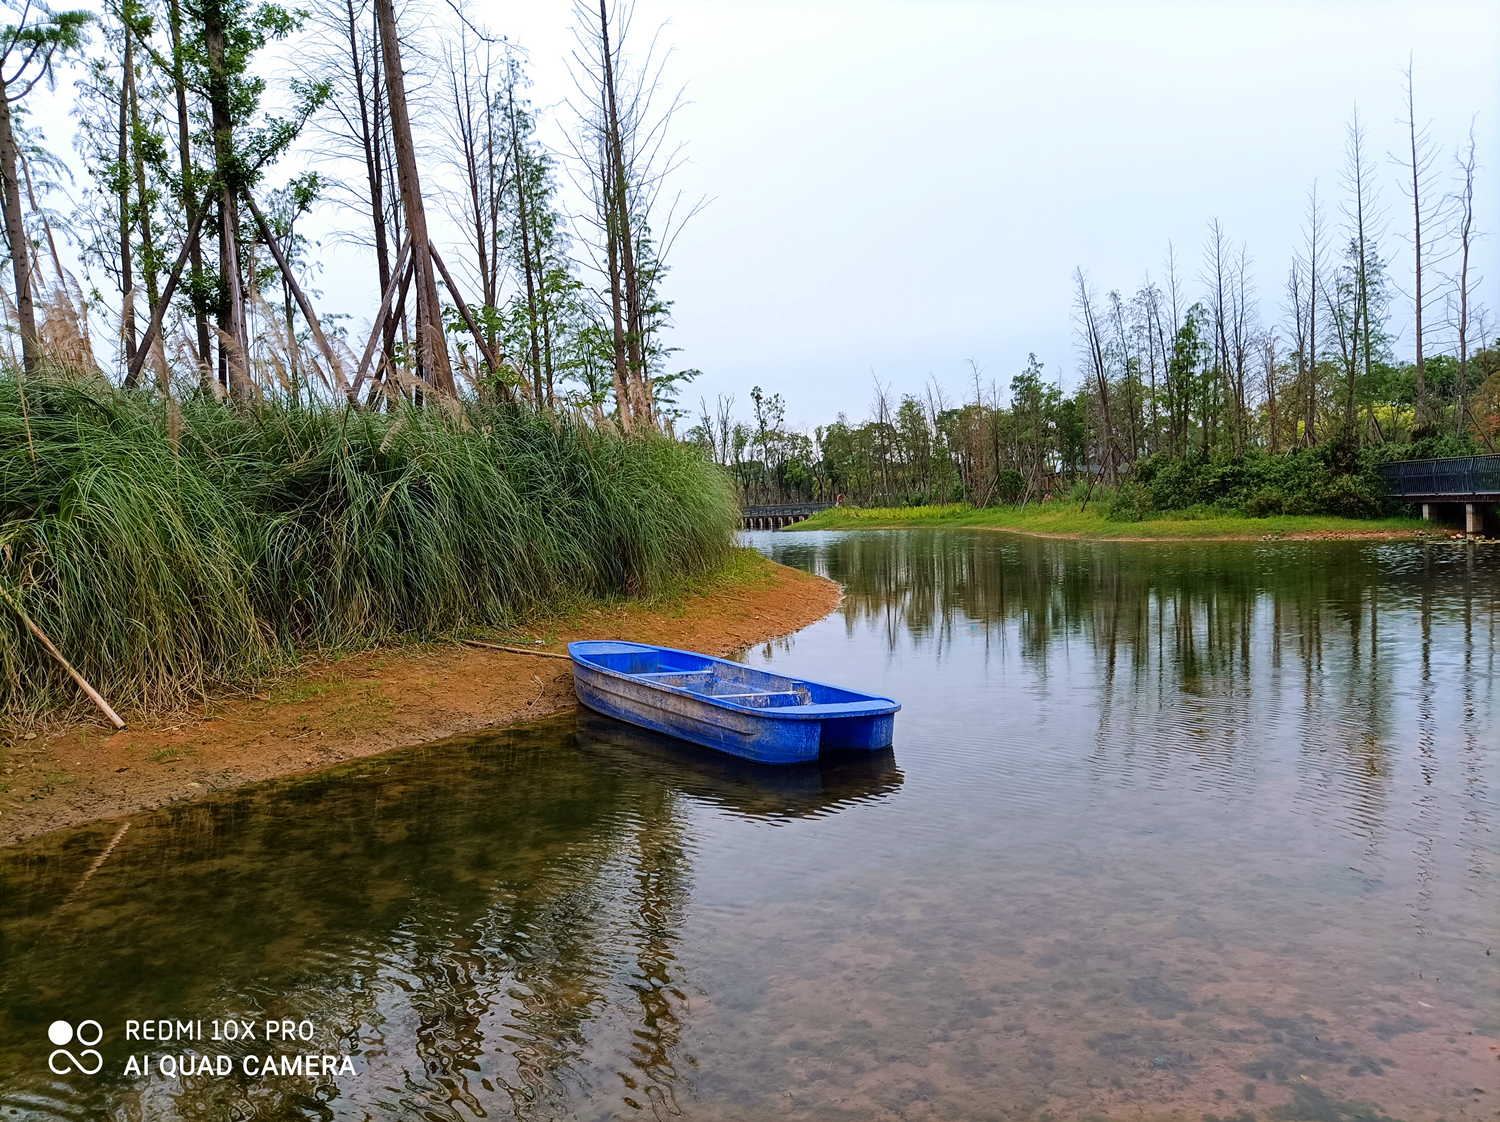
{"x": 773, "y": 731}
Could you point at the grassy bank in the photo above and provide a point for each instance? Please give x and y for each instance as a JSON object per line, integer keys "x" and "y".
{"x": 345, "y": 705}
{"x": 171, "y": 549}
{"x": 1067, "y": 518}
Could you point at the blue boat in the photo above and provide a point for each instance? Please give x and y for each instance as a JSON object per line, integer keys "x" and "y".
{"x": 720, "y": 704}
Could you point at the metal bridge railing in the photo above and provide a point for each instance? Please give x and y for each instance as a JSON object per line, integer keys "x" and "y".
{"x": 792, "y": 510}
{"x": 1459, "y": 477}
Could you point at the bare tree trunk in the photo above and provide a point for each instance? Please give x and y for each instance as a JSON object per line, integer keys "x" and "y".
{"x": 384, "y": 317}
{"x": 231, "y": 286}
{"x": 1310, "y": 395}
{"x": 127, "y": 280}
{"x": 148, "y": 253}
{"x": 1268, "y": 358}
{"x": 1095, "y": 347}
{"x": 189, "y": 194}
{"x": 531, "y": 302}
{"x": 1465, "y": 240}
{"x": 468, "y": 125}
{"x": 294, "y": 291}
{"x": 1357, "y": 174}
{"x": 432, "y": 343}
{"x": 625, "y": 234}
{"x": 15, "y": 232}
{"x": 154, "y": 327}
{"x": 1240, "y": 341}
{"x": 373, "y": 174}
{"x": 1222, "y": 299}
{"x": 463, "y": 310}
{"x": 623, "y": 396}
{"x": 1178, "y": 397}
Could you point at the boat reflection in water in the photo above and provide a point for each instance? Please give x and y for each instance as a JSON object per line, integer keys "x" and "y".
{"x": 490, "y": 925}
{"x": 754, "y": 790}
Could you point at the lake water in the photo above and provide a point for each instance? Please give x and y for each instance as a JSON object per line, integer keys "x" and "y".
{"x": 1167, "y": 830}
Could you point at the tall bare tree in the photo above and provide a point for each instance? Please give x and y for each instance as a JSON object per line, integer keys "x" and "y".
{"x": 623, "y": 147}
{"x": 1093, "y": 348}
{"x": 432, "y": 344}
{"x": 1314, "y": 234}
{"x": 191, "y": 188}
{"x": 1362, "y": 211}
{"x": 1417, "y": 161}
{"x": 1466, "y": 234}
{"x": 476, "y": 132}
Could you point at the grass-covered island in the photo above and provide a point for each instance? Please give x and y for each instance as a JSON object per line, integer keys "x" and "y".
{"x": 1065, "y": 518}
{"x": 1319, "y": 492}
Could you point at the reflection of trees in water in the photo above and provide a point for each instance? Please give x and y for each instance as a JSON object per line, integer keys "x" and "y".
{"x": 494, "y": 922}
{"x": 1222, "y": 638}
{"x": 1190, "y": 607}
{"x": 658, "y": 896}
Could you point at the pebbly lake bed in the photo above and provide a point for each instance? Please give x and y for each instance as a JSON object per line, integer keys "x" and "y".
{"x": 1177, "y": 829}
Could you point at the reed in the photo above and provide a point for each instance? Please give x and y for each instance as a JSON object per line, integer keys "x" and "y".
{"x": 171, "y": 548}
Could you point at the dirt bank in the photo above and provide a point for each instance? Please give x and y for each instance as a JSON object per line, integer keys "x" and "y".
{"x": 361, "y": 704}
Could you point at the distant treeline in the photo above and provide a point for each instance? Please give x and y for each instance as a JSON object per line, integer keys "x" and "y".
{"x": 1187, "y": 396}
{"x": 1044, "y": 444}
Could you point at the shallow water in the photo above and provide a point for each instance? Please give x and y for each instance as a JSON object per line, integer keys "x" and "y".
{"x": 1166, "y": 829}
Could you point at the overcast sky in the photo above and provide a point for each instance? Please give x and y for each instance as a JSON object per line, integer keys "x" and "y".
{"x": 898, "y": 188}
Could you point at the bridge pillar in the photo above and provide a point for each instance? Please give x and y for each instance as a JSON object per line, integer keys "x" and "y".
{"x": 1426, "y": 512}
{"x": 1473, "y": 519}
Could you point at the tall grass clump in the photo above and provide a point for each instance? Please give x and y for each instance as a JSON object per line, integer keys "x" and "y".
{"x": 169, "y": 548}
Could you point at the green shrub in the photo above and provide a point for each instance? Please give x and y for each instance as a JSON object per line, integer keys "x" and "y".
{"x": 1011, "y": 486}
{"x": 1334, "y": 478}
{"x": 1131, "y": 502}
{"x": 1354, "y": 496}
{"x": 1265, "y": 503}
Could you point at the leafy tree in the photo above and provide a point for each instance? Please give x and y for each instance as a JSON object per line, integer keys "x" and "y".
{"x": 33, "y": 45}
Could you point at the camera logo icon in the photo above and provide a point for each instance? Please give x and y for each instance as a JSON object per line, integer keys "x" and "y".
{"x": 61, "y": 1033}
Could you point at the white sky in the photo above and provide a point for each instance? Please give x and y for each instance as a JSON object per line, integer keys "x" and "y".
{"x": 900, "y": 187}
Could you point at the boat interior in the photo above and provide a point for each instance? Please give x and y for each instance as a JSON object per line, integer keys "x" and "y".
{"x": 708, "y": 677}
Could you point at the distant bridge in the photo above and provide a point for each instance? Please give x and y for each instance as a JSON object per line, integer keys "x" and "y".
{"x": 775, "y": 517}
{"x": 1473, "y": 481}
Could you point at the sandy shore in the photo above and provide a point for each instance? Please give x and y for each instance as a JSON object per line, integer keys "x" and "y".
{"x": 365, "y": 703}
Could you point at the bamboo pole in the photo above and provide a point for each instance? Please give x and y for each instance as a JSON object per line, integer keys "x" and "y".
{"x": 463, "y": 309}
{"x": 166, "y": 297}
{"x": 513, "y": 650}
{"x": 94, "y": 696}
{"x": 400, "y": 275}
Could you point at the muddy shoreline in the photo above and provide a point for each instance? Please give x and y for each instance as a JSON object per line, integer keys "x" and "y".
{"x": 365, "y": 703}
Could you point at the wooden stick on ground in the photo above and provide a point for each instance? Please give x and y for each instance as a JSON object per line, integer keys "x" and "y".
{"x": 513, "y": 650}
{"x": 114, "y": 718}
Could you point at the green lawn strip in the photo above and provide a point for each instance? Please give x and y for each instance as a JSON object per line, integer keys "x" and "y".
{"x": 1068, "y": 520}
